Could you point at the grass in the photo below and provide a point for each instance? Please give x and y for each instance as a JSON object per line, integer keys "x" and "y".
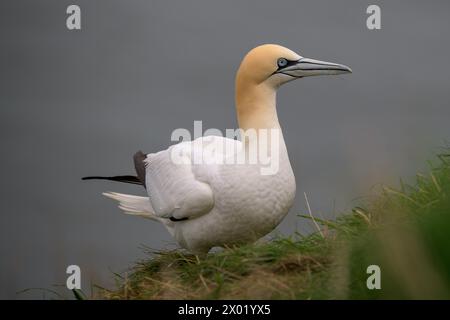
{"x": 405, "y": 231}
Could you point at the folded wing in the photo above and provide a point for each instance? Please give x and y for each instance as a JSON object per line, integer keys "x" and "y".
{"x": 175, "y": 191}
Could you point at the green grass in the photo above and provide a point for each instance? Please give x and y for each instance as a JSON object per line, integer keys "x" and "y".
{"x": 406, "y": 232}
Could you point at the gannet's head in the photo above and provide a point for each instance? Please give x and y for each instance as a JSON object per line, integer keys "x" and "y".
{"x": 274, "y": 65}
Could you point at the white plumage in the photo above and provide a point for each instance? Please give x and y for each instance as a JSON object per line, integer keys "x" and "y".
{"x": 225, "y": 204}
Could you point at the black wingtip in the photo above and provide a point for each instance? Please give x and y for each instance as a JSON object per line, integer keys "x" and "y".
{"x": 139, "y": 165}
{"x": 124, "y": 179}
{"x": 175, "y": 219}
{"x": 90, "y": 178}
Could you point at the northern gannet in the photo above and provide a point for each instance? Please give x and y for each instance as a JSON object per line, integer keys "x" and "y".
{"x": 220, "y": 203}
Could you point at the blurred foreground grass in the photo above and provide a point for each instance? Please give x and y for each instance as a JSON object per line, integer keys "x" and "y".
{"x": 405, "y": 232}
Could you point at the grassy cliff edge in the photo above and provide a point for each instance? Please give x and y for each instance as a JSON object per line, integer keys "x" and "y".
{"x": 406, "y": 232}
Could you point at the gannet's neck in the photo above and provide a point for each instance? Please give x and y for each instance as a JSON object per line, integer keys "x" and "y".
{"x": 256, "y": 110}
{"x": 256, "y": 106}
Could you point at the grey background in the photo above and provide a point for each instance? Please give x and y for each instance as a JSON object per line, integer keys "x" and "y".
{"x": 75, "y": 103}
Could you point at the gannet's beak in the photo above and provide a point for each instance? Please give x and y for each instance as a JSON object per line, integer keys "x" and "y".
{"x": 306, "y": 67}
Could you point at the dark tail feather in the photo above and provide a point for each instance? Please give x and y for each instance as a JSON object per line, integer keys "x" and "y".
{"x": 124, "y": 179}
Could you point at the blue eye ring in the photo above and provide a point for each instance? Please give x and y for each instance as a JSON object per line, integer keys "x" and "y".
{"x": 282, "y": 62}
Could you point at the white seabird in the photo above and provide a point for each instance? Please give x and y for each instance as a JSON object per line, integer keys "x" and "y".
{"x": 217, "y": 203}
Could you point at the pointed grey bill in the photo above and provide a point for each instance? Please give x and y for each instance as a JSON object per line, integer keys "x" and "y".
{"x": 306, "y": 67}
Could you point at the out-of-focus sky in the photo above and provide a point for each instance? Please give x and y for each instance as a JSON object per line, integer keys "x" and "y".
{"x": 75, "y": 103}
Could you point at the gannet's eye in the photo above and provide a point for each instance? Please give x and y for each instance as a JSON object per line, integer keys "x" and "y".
{"x": 282, "y": 62}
